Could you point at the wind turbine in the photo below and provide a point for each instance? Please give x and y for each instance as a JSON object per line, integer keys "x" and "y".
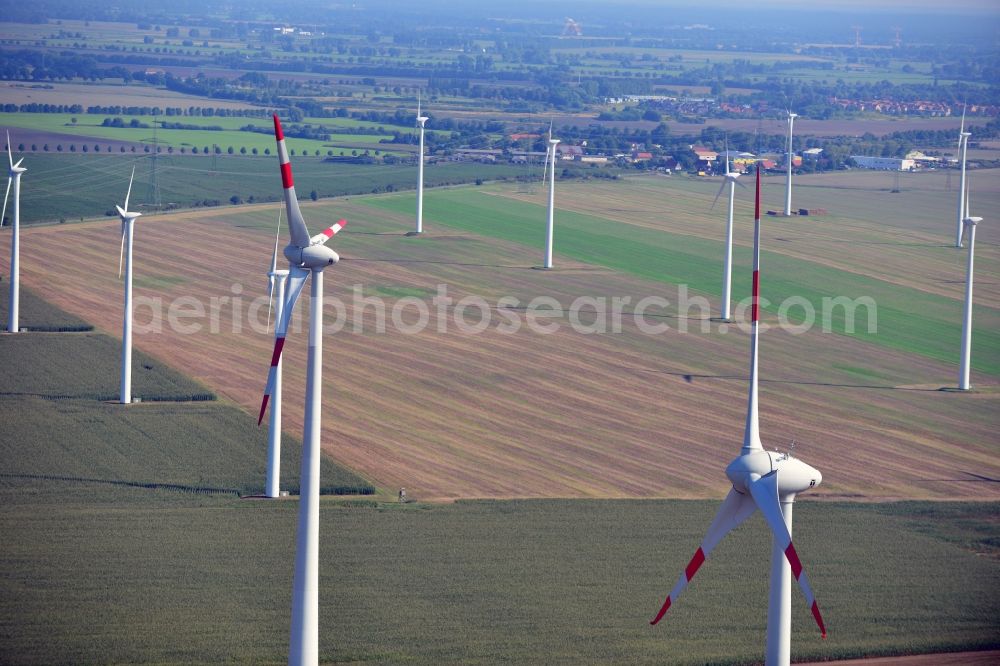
{"x": 963, "y": 376}
{"x": 767, "y": 481}
{"x": 306, "y": 255}
{"x": 963, "y": 213}
{"x": 421, "y": 120}
{"x": 788, "y": 175}
{"x": 731, "y": 179}
{"x": 14, "y": 176}
{"x": 550, "y": 163}
{"x": 275, "y": 283}
{"x": 128, "y": 224}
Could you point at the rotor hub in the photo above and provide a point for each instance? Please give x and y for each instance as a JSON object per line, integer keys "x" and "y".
{"x": 314, "y": 257}
{"x": 795, "y": 477}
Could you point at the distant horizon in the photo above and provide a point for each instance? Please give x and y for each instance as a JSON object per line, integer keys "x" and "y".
{"x": 867, "y": 6}
{"x": 859, "y": 7}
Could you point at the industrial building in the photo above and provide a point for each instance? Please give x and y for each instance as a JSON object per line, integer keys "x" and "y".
{"x": 883, "y": 163}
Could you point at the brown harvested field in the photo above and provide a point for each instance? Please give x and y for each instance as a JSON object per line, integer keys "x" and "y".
{"x": 453, "y": 414}
{"x": 103, "y": 94}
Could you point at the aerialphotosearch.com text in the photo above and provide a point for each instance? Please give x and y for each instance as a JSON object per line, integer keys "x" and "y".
{"x": 472, "y": 314}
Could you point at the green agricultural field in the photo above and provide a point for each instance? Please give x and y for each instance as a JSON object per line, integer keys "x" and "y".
{"x": 70, "y": 187}
{"x": 36, "y": 314}
{"x": 58, "y": 122}
{"x": 103, "y": 574}
{"x": 89, "y": 127}
{"x": 58, "y": 394}
{"x": 124, "y": 542}
{"x": 86, "y": 366}
{"x": 672, "y": 258}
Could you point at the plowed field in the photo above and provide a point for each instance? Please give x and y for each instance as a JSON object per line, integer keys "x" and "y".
{"x": 451, "y": 413}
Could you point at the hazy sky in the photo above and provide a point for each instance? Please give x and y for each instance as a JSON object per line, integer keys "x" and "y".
{"x": 937, "y": 6}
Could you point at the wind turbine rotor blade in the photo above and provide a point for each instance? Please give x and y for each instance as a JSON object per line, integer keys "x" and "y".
{"x": 296, "y": 223}
{"x": 296, "y": 280}
{"x": 270, "y": 298}
{"x": 719, "y": 193}
{"x": 735, "y": 509}
{"x": 10, "y": 152}
{"x": 274, "y": 267}
{"x": 765, "y": 493}
{"x": 129, "y": 193}
{"x": 741, "y": 185}
{"x": 121, "y": 252}
{"x": 4, "y": 213}
{"x": 968, "y": 188}
{"x": 327, "y": 233}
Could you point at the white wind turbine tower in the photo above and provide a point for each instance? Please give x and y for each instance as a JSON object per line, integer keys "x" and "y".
{"x": 963, "y": 213}
{"x": 306, "y": 256}
{"x": 963, "y": 377}
{"x": 550, "y": 163}
{"x": 128, "y": 224}
{"x": 421, "y": 120}
{"x": 14, "y": 177}
{"x": 275, "y": 287}
{"x": 767, "y": 481}
{"x": 788, "y": 175}
{"x": 731, "y": 179}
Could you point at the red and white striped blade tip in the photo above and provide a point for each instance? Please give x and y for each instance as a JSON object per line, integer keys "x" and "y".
{"x": 279, "y": 343}
{"x": 329, "y": 232}
{"x": 263, "y": 408}
{"x": 689, "y": 571}
{"x": 663, "y": 611}
{"x": 278, "y": 133}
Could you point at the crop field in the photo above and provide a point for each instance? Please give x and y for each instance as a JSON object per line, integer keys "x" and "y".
{"x": 61, "y": 122}
{"x": 124, "y": 542}
{"x": 652, "y": 254}
{"x": 124, "y": 575}
{"x": 104, "y": 94}
{"x": 63, "y": 428}
{"x": 578, "y": 413}
{"x": 89, "y": 126}
{"x": 36, "y": 314}
{"x": 70, "y": 187}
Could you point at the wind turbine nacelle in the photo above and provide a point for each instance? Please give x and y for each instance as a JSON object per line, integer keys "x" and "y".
{"x": 313, "y": 257}
{"x": 795, "y": 476}
{"x": 127, "y": 216}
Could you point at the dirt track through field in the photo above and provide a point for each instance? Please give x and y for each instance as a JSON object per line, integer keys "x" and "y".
{"x": 454, "y": 414}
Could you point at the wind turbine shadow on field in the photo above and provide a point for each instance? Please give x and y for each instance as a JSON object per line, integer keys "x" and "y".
{"x": 892, "y": 243}
{"x": 976, "y": 478}
{"x": 148, "y": 485}
{"x": 430, "y": 261}
{"x": 626, "y": 313}
{"x": 691, "y": 377}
